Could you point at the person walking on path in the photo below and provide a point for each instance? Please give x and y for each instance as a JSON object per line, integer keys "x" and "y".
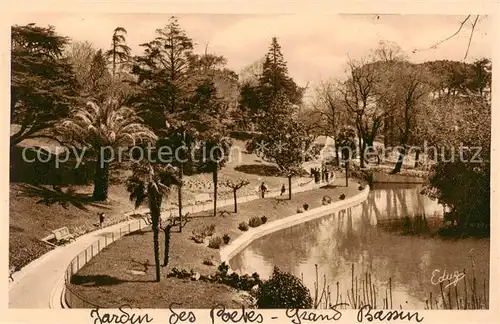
{"x": 101, "y": 219}
{"x": 283, "y": 189}
{"x": 263, "y": 189}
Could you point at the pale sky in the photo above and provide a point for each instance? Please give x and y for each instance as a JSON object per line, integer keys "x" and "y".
{"x": 315, "y": 46}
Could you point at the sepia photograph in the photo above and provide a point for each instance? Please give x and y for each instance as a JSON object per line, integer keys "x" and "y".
{"x": 307, "y": 161}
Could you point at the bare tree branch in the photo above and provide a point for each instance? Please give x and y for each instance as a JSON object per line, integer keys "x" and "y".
{"x": 462, "y": 23}
{"x": 450, "y": 37}
{"x": 470, "y": 37}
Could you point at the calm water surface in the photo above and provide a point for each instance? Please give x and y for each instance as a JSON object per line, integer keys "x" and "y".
{"x": 352, "y": 236}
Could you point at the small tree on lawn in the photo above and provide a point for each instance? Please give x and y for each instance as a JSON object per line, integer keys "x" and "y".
{"x": 347, "y": 144}
{"x": 151, "y": 183}
{"x": 236, "y": 185}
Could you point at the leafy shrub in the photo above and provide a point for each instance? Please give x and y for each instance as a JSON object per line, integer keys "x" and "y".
{"x": 198, "y": 238}
{"x": 283, "y": 290}
{"x": 263, "y": 219}
{"x": 208, "y": 262}
{"x": 222, "y": 276}
{"x": 208, "y": 230}
{"x": 342, "y": 196}
{"x": 226, "y": 238}
{"x": 255, "y": 221}
{"x": 243, "y": 226}
{"x": 470, "y": 207}
{"x": 215, "y": 242}
{"x": 361, "y": 187}
{"x": 181, "y": 274}
{"x": 200, "y": 234}
{"x": 222, "y": 269}
{"x": 326, "y": 200}
{"x": 305, "y": 206}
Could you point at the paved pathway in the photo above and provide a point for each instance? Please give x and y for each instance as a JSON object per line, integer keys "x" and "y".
{"x": 34, "y": 284}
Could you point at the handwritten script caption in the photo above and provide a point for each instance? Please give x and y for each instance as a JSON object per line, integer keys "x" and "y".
{"x": 219, "y": 314}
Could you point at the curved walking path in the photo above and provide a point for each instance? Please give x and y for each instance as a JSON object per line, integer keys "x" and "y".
{"x": 34, "y": 285}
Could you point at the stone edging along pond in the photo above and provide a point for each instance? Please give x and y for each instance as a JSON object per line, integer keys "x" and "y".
{"x": 242, "y": 241}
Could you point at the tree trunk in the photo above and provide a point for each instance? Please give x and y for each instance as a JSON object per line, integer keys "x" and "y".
{"x": 386, "y": 134}
{"x": 215, "y": 176}
{"x": 114, "y": 59}
{"x": 101, "y": 180}
{"x": 346, "y": 173}
{"x": 337, "y": 159}
{"x": 360, "y": 153}
{"x": 156, "y": 244}
{"x": 290, "y": 187}
{"x": 399, "y": 163}
{"x": 417, "y": 158}
{"x": 166, "y": 231}
{"x": 179, "y": 196}
{"x": 235, "y": 202}
{"x": 154, "y": 208}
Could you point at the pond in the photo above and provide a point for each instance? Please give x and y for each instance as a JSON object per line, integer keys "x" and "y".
{"x": 408, "y": 267}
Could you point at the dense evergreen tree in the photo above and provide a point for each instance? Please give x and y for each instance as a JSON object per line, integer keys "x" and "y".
{"x": 258, "y": 97}
{"x": 162, "y": 73}
{"x": 275, "y": 78}
{"x": 43, "y": 85}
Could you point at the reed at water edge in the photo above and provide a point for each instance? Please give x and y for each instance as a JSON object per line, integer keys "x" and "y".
{"x": 363, "y": 291}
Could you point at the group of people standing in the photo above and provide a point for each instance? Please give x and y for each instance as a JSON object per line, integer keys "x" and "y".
{"x": 322, "y": 174}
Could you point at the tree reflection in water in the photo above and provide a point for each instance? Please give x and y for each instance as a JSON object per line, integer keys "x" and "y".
{"x": 352, "y": 236}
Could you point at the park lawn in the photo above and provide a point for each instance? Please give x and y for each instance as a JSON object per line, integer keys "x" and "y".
{"x": 109, "y": 282}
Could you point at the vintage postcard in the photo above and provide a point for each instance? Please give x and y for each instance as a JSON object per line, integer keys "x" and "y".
{"x": 252, "y": 167}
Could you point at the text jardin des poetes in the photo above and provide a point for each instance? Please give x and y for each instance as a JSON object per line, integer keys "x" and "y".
{"x": 219, "y": 314}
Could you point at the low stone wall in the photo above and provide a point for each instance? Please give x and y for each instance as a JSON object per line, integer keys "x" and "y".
{"x": 383, "y": 177}
{"x": 229, "y": 251}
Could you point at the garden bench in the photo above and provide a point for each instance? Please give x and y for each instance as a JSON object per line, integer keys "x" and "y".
{"x": 202, "y": 198}
{"x": 62, "y": 235}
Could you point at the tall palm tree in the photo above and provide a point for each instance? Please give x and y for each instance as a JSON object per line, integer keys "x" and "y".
{"x": 151, "y": 183}
{"x": 102, "y": 129}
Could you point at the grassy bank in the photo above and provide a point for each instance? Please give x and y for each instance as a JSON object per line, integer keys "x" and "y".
{"x": 107, "y": 278}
